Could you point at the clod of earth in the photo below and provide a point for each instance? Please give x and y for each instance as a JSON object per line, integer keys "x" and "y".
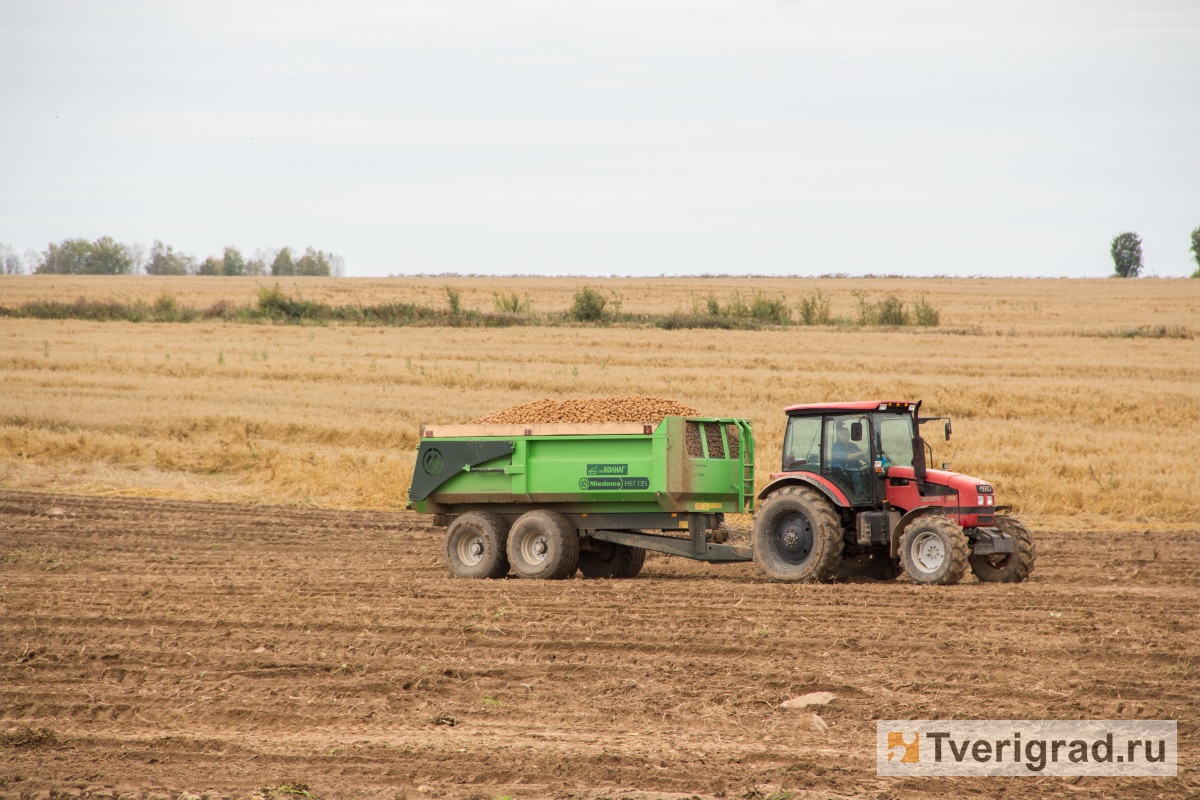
{"x": 810, "y": 699}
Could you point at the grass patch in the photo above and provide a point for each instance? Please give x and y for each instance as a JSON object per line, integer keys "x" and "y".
{"x": 589, "y": 307}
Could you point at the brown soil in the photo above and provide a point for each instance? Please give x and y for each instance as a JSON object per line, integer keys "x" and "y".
{"x": 632, "y": 408}
{"x": 153, "y": 649}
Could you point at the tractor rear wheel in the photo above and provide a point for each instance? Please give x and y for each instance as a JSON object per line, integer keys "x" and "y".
{"x": 609, "y": 560}
{"x": 797, "y": 537}
{"x": 934, "y": 550}
{"x": 543, "y": 544}
{"x": 1011, "y": 567}
{"x": 475, "y": 546}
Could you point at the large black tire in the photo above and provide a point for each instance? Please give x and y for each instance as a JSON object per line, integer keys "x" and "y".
{"x": 476, "y": 546}
{"x": 934, "y": 550}
{"x": 1011, "y": 567}
{"x": 608, "y": 560}
{"x": 797, "y": 537}
{"x": 543, "y": 544}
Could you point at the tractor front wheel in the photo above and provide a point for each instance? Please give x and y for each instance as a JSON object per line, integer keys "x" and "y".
{"x": 934, "y": 550}
{"x": 797, "y": 537}
{"x": 543, "y": 544}
{"x": 1011, "y": 567}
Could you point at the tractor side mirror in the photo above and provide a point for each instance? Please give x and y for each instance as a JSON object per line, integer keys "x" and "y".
{"x": 856, "y": 432}
{"x": 947, "y": 430}
{"x": 919, "y": 468}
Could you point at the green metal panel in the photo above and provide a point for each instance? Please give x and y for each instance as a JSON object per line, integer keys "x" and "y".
{"x": 605, "y": 473}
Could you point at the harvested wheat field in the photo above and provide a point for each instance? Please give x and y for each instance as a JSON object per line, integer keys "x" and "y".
{"x": 210, "y": 586}
{"x": 1078, "y": 427}
{"x": 151, "y": 648}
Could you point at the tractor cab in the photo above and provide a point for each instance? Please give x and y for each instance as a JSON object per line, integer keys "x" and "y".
{"x": 870, "y": 455}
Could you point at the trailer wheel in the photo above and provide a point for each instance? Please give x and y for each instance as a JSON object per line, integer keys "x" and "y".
{"x": 797, "y": 536}
{"x": 543, "y": 544}
{"x": 934, "y": 550}
{"x": 1011, "y": 567}
{"x": 475, "y": 546}
{"x": 608, "y": 560}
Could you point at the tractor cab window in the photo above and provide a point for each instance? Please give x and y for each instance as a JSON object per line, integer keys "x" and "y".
{"x": 895, "y": 432}
{"x": 802, "y": 445}
{"x": 848, "y": 455}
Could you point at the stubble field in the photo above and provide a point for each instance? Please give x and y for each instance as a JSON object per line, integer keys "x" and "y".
{"x": 304, "y": 632}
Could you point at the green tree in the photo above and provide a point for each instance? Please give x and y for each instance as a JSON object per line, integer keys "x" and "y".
{"x": 109, "y": 257}
{"x": 68, "y": 257}
{"x": 165, "y": 261}
{"x": 211, "y": 266}
{"x": 233, "y": 263}
{"x": 1196, "y": 250}
{"x": 313, "y": 262}
{"x": 283, "y": 264}
{"x": 1127, "y": 254}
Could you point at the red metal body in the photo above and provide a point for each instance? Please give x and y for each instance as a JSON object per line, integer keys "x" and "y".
{"x": 962, "y": 500}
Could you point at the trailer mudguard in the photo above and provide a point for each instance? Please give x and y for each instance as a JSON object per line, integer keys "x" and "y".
{"x": 439, "y": 460}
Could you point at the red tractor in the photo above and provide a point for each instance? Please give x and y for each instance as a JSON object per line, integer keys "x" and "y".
{"x": 855, "y": 497}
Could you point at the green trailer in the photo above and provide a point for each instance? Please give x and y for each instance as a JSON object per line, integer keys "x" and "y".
{"x": 547, "y": 499}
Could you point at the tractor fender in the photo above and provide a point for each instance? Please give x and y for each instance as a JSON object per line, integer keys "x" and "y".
{"x": 822, "y": 485}
{"x": 905, "y": 520}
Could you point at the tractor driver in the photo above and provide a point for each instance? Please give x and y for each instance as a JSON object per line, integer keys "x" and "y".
{"x": 849, "y": 457}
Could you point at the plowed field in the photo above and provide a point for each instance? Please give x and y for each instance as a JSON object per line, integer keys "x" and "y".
{"x": 153, "y": 649}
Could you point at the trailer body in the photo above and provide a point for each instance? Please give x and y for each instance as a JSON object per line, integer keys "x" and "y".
{"x": 681, "y": 466}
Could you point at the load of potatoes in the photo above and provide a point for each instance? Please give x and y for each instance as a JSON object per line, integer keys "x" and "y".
{"x": 632, "y": 408}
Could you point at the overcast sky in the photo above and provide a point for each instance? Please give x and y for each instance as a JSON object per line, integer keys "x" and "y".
{"x": 596, "y": 138}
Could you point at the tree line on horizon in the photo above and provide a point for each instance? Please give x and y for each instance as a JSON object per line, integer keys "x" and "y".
{"x": 1126, "y": 250}
{"x": 106, "y": 256}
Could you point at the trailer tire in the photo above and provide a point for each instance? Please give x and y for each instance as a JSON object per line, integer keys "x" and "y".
{"x": 934, "y": 550}
{"x": 1011, "y": 567}
{"x": 609, "y": 560}
{"x": 476, "y": 546}
{"x": 797, "y": 537}
{"x": 543, "y": 544}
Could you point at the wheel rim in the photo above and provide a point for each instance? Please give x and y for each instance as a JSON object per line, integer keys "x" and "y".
{"x": 535, "y": 548}
{"x": 470, "y": 550}
{"x": 928, "y": 552}
{"x": 794, "y": 538}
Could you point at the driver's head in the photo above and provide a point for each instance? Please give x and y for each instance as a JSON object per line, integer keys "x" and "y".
{"x": 843, "y": 435}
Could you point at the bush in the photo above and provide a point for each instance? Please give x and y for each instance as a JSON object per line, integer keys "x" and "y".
{"x": 273, "y": 303}
{"x": 927, "y": 316}
{"x": 589, "y": 305}
{"x": 815, "y": 310}
{"x": 510, "y": 303}
{"x": 771, "y": 310}
{"x": 454, "y": 299}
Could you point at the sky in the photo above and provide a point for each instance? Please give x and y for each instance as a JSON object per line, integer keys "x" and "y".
{"x": 780, "y": 137}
